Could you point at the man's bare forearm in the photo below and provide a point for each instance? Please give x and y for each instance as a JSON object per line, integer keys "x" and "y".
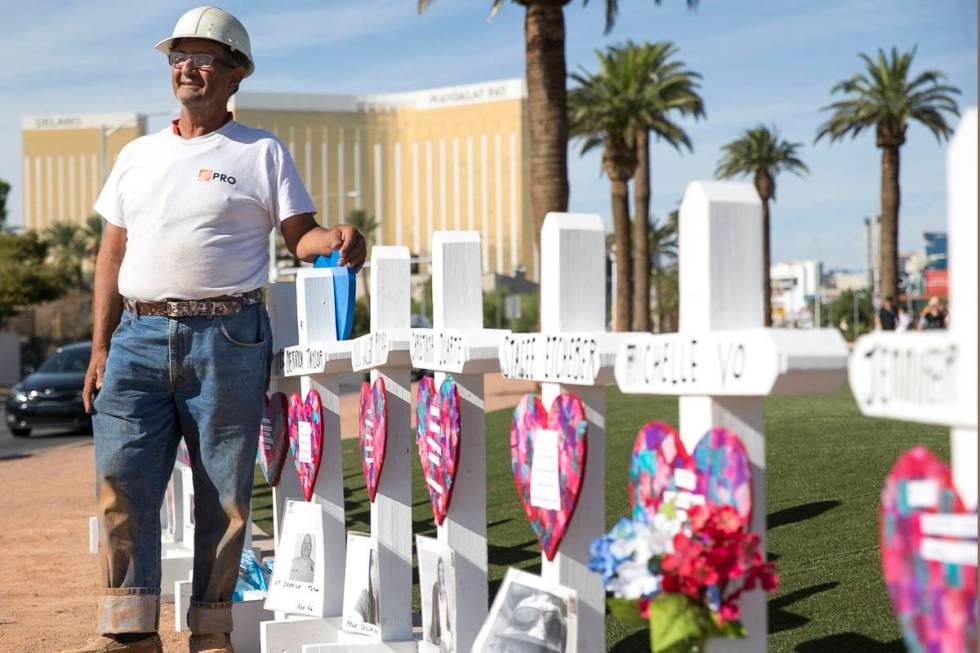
{"x": 106, "y": 301}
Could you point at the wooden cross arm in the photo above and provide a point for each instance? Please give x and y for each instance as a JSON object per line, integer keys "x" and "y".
{"x": 457, "y": 351}
{"x": 744, "y": 362}
{"x": 921, "y": 377}
{"x": 572, "y": 358}
{"x": 384, "y": 348}
{"x": 328, "y": 357}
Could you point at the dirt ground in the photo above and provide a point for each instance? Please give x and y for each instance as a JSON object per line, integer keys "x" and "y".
{"x": 49, "y": 582}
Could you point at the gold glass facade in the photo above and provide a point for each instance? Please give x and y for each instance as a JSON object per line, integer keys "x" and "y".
{"x": 62, "y": 159}
{"x": 450, "y": 158}
{"x": 447, "y": 158}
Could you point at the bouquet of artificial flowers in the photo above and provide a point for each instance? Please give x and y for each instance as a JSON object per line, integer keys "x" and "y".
{"x": 681, "y": 573}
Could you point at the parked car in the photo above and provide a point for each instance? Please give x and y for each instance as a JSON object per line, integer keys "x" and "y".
{"x": 52, "y": 396}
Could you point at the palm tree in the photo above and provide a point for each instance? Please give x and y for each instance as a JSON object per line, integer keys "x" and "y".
{"x": 545, "y": 73}
{"x": 760, "y": 152}
{"x": 662, "y": 248}
{"x": 92, "y": 233}
{"x": 604, "y": 110}
{"x": 885, "y": 98}
{"x": 67, "y": 249}
{"x": 670, "y": 89}
{"x": 368, "y": 226}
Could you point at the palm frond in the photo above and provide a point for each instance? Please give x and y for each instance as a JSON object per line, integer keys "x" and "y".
{"x": 884, "y": 95}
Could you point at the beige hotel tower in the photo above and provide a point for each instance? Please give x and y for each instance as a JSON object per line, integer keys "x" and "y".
{"x": 446, "y": 158}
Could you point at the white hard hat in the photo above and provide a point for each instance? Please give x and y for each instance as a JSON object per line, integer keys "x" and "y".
{"x": 213, "y": 24}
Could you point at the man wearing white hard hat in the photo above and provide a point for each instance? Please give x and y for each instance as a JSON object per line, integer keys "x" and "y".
{"x": 181, "y": 344}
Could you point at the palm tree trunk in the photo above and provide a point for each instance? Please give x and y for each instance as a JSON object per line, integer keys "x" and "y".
{"x": 641, "y": 233}
{"x": 544, "y": 34}
{"x": 888, "y": 245}
{"x": 621, "y": 234}
{"x": 766, "y": 284}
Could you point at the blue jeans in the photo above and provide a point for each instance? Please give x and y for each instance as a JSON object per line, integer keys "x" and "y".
{"x": 197, "y": 378}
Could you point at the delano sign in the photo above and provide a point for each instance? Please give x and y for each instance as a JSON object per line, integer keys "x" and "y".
{"x": 572, "y": 358}
{"x": 750, "y": 362}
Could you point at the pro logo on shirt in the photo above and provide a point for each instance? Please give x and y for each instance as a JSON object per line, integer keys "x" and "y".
{"x": 211, "y": 175}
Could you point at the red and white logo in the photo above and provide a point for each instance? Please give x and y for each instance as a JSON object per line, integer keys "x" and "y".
{"x": 211, "y": 175}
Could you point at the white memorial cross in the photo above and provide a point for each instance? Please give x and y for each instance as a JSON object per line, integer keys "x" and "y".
{"x": 309, "y": 356}
{"x": 385, "y": 352}
{"x": 459, "y": 344}
{"x": 574, "y": 353}
{"x": 931, "y": 377}
{"x": 722, "y": 363}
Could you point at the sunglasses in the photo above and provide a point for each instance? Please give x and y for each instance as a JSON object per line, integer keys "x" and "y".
{"x": 201, "y": 61}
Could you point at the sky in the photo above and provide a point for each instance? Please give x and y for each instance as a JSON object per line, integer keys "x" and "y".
{"x": 761, "y": 61}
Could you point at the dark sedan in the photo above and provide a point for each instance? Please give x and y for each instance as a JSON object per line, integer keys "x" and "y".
{"x": 51, "y": 397}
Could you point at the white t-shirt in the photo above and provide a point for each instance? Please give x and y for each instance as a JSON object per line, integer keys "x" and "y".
{"x": 198, "y": 212}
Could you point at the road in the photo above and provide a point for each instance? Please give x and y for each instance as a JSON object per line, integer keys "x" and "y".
{"x": 11, "y": 447}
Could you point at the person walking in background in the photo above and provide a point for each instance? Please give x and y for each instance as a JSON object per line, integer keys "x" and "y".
{"x": 934, "y": 316}
{"x": 181, "y": 341}
{"x": 904, "y": 322}
{"x": 887, "y": 317}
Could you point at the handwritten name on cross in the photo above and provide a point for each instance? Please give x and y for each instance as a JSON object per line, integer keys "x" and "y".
{"x": 573, "y": 353}
{"x": 722, "y": 362}
{"x": 458, "y": 344}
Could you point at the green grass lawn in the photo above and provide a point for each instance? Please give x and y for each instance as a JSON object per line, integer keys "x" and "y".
{"x": 826, "y": 466}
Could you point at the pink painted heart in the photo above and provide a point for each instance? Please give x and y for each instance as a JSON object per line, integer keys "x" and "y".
{"x": 372, "y": 430}
{"x": 552, "y": 445}
{"x": 437, "y": 433}
{"x": 933, "y": 593}
{"x": 273, "y": 436}
{"x": 306, "y": 438}
{"x": 661, "y": 469}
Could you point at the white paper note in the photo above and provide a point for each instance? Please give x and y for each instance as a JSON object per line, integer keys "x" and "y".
{"x": 305, "y": 431}
{"x": 545, "y": 486}
{"x": 922, "y": 494}
{"x": 266, "y": 434}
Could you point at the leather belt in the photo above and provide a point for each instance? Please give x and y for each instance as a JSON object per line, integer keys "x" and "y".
{"x": 209, "y": 307}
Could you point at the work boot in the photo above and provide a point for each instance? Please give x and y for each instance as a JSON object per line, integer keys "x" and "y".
{"x": 215, "y": 643}
{"x": 109, "y": 644}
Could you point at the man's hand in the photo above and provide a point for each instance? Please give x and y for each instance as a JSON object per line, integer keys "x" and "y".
{"x": 350, "y": 242}
{"x": 93, "y": 377}
{"x": 306, "y": 240}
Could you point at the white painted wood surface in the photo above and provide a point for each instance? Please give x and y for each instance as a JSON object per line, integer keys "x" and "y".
{"x": 391, "y": 511}
{"x": 459, "y": 344}
{"x": 303, "y": 319}
{"x": 720, "y": 243}
{"x": 573, "y": 310}
{"x": 316, "y": 323}
{"x": 932, "y": 377}
{"x": 745, "y": 362}
{"x": 723, "y": 362}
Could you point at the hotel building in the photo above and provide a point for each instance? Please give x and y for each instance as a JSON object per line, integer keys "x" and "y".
{"x": 446, "y": 158}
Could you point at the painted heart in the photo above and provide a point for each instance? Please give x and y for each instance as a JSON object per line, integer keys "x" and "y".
{"x": 933, "y": 593}
{"x": 550, "y": 445}
{"x": 306, "y": 438}
{"x": 273, "y": 436}
{"x": 437, "y": 433}
{"x": 661, "y": 469}
{"x": 372, "y": 430}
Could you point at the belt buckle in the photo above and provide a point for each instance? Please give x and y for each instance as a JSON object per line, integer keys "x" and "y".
{"x": 173, "y": 309}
